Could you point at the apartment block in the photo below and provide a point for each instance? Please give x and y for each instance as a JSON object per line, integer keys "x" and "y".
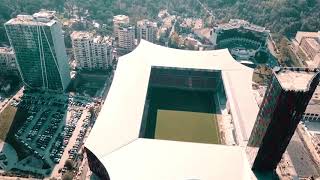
{"x": 147, "y": 30}
{"x": 117, "y": 22}
{"x": 91, "y": 51}
{"x": 309, "y": 44}
{"x": 7, "y": 60}
{"x": 126, "y": 39}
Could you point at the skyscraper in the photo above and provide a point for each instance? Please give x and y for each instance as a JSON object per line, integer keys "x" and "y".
{"x": 40, "y": 50}
{"x": 284, "y": 103}
{"x": 146, "y": 30}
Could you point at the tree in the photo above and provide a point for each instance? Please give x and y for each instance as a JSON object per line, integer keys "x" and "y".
{"x": 67, "y": 176}
{"x": 262, "y": 57}
{"x": 69, "y": 164}
{"x": 284, "y": 51}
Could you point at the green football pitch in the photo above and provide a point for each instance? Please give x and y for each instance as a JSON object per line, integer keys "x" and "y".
{"x": 187, "y": 126}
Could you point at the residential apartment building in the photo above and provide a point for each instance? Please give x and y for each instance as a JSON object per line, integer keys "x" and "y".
{"x": 7, "y": 60}
{"x": 312, "y": 112}
{"x": 147, "y": 30}
{"x": 309, "y": 44}
{"x": 91, "y": 52}
{"x": 117, "y": 22}
{"x": 38, "y": 43}
{"x": 126, "y": 39}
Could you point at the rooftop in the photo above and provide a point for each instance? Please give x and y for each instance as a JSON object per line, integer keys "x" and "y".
{"x": 205, "y": 32}
{"x": 314, "y": 104}
{"x": 121, "y": 18}
{"x": 84, "y": 35}
{"x": 81, "y": 35}
{"x": 313, "y": 43}
{"x": 302, "y": 34}
{"x": 126, "y": 27}
{"x": 296, "y": 79}
{"x": 45, "y": 14}
{"x": 147, "y": 159}
{"x": 6, "y": 50}
{"x": 147, "y": 23}
{"x": 119, "y": 121}
{"x": 102, "y": 40}
{"x": 42, "y": 18}
{"x": 313, "y": 107}
{"x": 237, "y": 23}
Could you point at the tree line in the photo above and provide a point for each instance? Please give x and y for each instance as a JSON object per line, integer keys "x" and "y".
{"x": 283, "y": 17}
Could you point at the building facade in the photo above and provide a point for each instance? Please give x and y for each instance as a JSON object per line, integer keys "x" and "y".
{"x": 147, "y": 30}
{"x": 285, "y": 101}
{"x": 126, "y": 39}
{"x": 7, "y": 60}
{"x": 40, "y": 50}
{"x": 117, "y": 22}
{"x": 309, "y": 44}
{"x": 312, "y": 113}
{"x": 311, "y": 47}
{"x": 91, "y": 52}
{"x": 240, "y": 29}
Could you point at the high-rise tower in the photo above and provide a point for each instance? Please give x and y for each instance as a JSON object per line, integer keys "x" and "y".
{"x": 40, "y": 50}
{"x": 284, "y": 103}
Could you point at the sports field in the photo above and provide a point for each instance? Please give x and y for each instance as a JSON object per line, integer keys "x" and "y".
{"x": 187, "y": 126}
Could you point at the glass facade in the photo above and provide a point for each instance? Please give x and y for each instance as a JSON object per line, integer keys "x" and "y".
{"x": 264, "y": 116}
{"x": 36, "y": 55}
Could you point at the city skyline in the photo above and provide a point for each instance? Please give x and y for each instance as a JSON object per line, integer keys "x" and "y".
{"x": 82, "y": 92}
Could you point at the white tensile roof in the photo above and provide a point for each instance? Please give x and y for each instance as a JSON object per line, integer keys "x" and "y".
{"x": 149, "y": 159}
{"x": 115, "y": 140}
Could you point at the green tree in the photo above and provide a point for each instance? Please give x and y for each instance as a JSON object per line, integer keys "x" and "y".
{"x": 67, "y": 176}
{"x": 69, "y": 164}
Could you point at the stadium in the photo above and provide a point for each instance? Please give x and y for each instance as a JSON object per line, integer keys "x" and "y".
{"x": 247, "y": 42}
{"x": 174, "y": 92}
{"x": 159, "y": 120}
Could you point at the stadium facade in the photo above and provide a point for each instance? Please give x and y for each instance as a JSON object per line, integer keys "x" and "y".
{"x": 248, "y": 43}
{"x": 239, "y": 30}
{"x": 115, "y": 147}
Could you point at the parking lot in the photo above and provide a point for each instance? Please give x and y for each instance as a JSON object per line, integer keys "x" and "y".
{"x": 74, "y": 145}
{"x": 52, "y": 132}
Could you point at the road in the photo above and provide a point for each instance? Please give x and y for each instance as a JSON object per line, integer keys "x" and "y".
{"x": 7, "y": 101}
{"x": 173, "y": 28}
{"x": 300, "y": 158}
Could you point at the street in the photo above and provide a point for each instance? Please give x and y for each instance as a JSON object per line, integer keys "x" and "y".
{"x": 300, "y": 157}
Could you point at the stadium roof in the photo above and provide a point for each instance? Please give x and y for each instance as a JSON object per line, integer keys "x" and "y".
{"x": 146, "y": 159}
{"x": 115, "y": 134}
